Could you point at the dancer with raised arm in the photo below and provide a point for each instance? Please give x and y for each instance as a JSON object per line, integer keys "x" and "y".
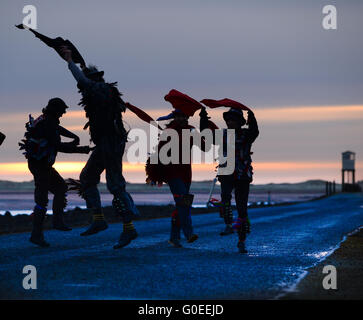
{"x": 103, "y": 106}
{"x": 241, "y": 178}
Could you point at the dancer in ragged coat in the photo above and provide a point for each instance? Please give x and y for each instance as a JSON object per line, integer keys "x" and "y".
{"x": 104, "y": 106}
{"x": 242, "y": 176}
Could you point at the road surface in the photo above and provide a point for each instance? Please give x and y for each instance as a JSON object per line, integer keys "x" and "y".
{"x": 283, "y": 243}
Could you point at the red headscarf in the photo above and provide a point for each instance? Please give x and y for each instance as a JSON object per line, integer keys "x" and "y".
{"x": 225, "y": 103}
{"x": 182, "y": 102}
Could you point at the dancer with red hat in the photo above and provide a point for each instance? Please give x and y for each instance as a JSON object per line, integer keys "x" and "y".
{"x": 242, "y": 176}
{"x": 177, "y": 176}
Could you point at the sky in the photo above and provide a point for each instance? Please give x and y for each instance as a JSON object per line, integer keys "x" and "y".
{"x": 304, "y": 83}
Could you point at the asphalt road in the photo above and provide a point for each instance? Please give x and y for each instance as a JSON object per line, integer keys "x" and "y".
{"x": 284, "y": 241}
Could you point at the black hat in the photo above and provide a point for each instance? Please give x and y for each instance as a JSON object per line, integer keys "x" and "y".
{"x": 55, "y": 105}
{"x": 235, "y": 114}
{"x": 92, "y": 70}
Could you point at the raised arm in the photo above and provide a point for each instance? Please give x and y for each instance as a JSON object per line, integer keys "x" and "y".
{"x": 78, "y": 74}
{"x": 253, "y": 131}
{"x": 76, "y": 71}
{"x": 205, "y": 123}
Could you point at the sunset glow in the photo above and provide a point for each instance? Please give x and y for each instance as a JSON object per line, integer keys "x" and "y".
{"x": 265, "y": 171}
{"x": 136, "y": 172}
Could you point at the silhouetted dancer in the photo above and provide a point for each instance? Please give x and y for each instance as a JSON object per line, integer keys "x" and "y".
{"x": 41, "y": 144}
{"x": 242, "y": 176}
{"x": 103, "y": 106}
{"x": 177, "y": 175}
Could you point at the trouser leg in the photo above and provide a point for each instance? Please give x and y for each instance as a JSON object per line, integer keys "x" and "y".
{"x": 179, "y": 190}
{"x": 242, "y": 223}
{"x": 242, "y": 190}
{"x": 122, "y": 202}
{"x": 116, "y": 184}
{"x": 89, "y": 178}
{"x": 227, "y": 185}
{"x": 175, "y": 225}
{"x": 41, "y": 173}
{"x": 59, "y": 188}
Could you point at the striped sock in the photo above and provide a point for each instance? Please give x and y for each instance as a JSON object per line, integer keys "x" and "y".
{"x": 129, "y": 226}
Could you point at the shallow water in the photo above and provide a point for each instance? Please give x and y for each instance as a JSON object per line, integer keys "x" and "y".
{"x": 22, "y": 203}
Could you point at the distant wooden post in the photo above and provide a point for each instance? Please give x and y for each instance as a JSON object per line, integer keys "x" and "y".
{"x": 334, "y": 190}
